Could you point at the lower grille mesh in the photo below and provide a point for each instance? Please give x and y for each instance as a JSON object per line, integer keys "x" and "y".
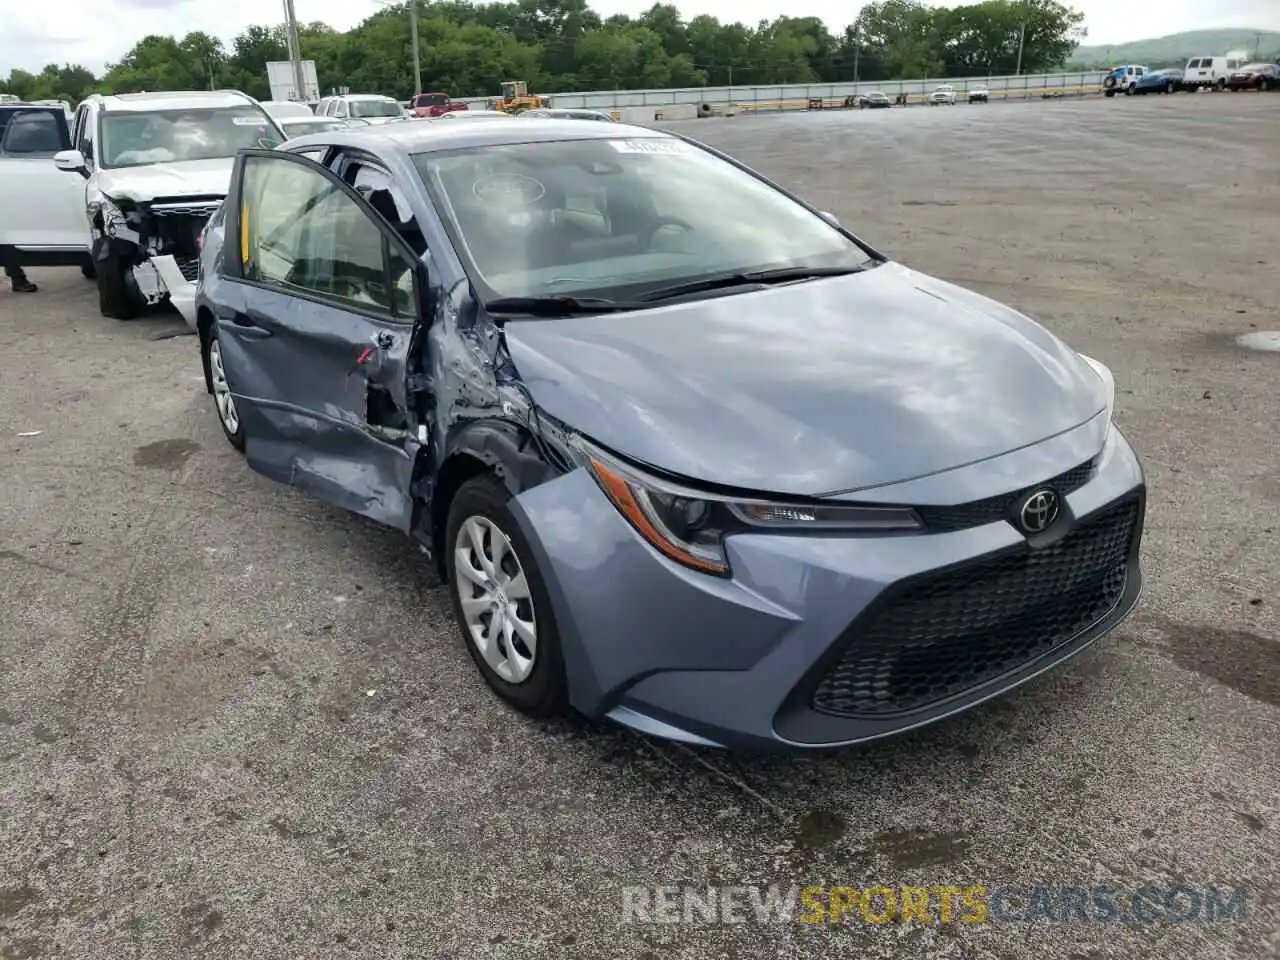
{"x": 960, "y": 628}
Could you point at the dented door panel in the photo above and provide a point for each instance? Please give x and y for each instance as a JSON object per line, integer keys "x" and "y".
{"x": 316, "y": 415}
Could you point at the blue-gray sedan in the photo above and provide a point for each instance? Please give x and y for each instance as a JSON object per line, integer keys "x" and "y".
{"x": 689, "y": 454}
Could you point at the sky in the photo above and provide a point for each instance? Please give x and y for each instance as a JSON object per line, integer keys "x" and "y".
{"x": 96, "y": 32}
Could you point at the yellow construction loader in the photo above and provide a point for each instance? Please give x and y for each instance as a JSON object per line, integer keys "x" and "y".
{"x": 516, "y": 98}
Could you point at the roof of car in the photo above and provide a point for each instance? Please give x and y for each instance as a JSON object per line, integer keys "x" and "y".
{"x": 174, "y": 100}
{"x": 425, "y": 137}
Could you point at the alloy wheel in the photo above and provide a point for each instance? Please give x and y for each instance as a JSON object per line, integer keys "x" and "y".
{"x": 222, "y": 391}
{"x": 497, "y": 606}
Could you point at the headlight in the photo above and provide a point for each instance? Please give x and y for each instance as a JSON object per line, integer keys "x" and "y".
{"x": 689, "y": 526}
{"x": 1108, "y": 381}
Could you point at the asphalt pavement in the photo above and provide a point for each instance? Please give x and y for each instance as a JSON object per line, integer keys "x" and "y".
{"x": 236, "y": 723}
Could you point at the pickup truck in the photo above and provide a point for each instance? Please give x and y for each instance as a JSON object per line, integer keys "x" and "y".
{"x": 44, "y": 222}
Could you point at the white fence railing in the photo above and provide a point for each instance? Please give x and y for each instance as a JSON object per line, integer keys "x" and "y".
{"x": 797, "y": 95}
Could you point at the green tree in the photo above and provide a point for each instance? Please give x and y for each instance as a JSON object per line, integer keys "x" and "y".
{"x": 467, "y": 48}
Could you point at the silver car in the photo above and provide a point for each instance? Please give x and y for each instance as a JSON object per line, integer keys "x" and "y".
{"x": 689, "y": 454}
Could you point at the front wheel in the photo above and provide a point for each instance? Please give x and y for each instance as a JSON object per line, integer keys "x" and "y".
{"x": 87, "y": 271}
{"x": 118, "y": 294}
{"x": 500, "y": 601}
{"x": 1109, "y": 94}
{"x": 223, "y": 401}
{"x": 1168, "y": 88}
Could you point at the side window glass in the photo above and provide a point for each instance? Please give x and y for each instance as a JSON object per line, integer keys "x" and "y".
{"x": 342, "y": 109}
{"x": 84, "y": 133}
{"x": 300, "y": 231}
{"x": 32, "y": 133}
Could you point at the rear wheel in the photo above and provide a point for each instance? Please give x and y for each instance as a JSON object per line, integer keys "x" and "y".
{"x": 87, "y": 271}
{"x": 500, "y": 601}
{"x": 1168, "y": 88}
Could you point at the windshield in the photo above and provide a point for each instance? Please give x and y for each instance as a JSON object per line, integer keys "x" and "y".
{"x": 430, "y": 100}
{"x": 165, "y": 136}
{"x": 376, "y": 108}
{"x": 617, "y": 217}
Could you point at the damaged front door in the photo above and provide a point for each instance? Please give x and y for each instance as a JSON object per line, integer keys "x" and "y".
{"x": 318, "y": 336}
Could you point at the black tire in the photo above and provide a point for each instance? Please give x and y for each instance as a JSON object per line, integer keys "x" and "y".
{"x": 544, "y": 692}
{"x": 87, "y": 271}
{"x": 1128, "y": 91}
{"x": 1109, "y": 93}
{"x": 1168, "y": 88}
{"x": 117, "y": 296}
{"x": 208, "y": 348}
{"x": 1221, "y": 85}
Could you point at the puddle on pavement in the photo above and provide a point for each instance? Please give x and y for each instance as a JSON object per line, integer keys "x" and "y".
{"x": 1268, "y": 340}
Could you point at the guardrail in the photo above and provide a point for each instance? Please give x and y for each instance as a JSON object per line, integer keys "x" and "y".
{"x": 797, "y": 96}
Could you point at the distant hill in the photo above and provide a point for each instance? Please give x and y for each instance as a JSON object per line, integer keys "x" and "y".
{"x": 1177, "y": 48}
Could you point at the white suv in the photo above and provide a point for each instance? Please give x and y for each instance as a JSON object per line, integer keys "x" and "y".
{"x": 372, "y": 108}
{"x": 1123, "y": 79}
{"x": 943, "y": 94}
{"x": 155, "y": 166}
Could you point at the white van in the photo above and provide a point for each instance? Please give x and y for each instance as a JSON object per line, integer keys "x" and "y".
{"x": 1210, "y": 71}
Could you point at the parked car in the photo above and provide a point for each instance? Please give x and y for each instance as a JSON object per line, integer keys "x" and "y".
{"x": 1202, "y": 72}
{"x": 301, "y": 126}
{"x": 1123, "y": 79}
{"x": 434, "y": 104}
{"x": 147, "y": 170}
{"x": 1255, "y": 76}
{"x": 874, "y": 100}
{"x": 476, "y": 115}
{"x": 570, "y": 113}
{"x": 978, "y": 95}
{"x": 943, "y": 94}
{"x": 284, "y": 109}
{"x": 1159, "y": 81}
{"x": 372, "y": 107}
{"x": 564, "y": 359}
{"x": 43, "y": 221}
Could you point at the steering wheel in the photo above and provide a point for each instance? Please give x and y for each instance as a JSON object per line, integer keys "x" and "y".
{"x": 657, "y": 223}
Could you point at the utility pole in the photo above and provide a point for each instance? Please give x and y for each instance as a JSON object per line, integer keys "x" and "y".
{"x": 1022, "y": 36}
{"x": 413, "y": 34}
{"x": 295, "y": 50}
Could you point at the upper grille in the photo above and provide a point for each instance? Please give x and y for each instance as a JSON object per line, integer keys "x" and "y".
{"x": 954, "y": 630}
{"x": 1002, "y": 507}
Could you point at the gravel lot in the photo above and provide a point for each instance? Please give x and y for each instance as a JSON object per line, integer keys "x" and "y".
{"x": 235, "y": 723}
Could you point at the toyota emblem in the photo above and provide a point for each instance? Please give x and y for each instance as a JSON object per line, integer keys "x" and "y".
{"x": 1039, "y": 511}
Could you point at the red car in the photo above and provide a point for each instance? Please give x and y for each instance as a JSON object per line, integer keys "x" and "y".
{"x": 1255, "y": 76}
{"x": 434, "y": 104}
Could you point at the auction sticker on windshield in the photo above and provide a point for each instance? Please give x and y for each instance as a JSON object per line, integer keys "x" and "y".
{"x": 247, "y": 121}
{"x": 650, "y": 146}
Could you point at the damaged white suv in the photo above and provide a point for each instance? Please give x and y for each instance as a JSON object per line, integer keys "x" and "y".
{"x": 155, "y": 167}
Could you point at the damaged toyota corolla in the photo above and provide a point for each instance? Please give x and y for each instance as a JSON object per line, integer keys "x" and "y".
{"x": 688, "y": 454}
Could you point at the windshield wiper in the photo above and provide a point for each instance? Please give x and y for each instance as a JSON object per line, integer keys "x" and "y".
{"x": 750, "y": 277}
{"x": 555, "y": 306}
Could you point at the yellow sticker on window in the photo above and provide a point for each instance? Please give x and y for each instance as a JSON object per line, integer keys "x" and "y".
{"x": 244, "y": 233}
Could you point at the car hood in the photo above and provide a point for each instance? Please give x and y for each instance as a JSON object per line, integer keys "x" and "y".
{"x": 820, "y": 387}
{"x": 184, "y": 178}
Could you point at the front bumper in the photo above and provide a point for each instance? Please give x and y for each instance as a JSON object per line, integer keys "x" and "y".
{"x": 792, "y": 651}
{"x": 182, "y": 291}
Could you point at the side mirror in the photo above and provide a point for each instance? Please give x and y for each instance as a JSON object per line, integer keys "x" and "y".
{"x": 72, "y": 161}
{"x": 830, "y": 218}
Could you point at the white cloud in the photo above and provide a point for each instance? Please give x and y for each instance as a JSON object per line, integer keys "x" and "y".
{"x": 94, "y": 33}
